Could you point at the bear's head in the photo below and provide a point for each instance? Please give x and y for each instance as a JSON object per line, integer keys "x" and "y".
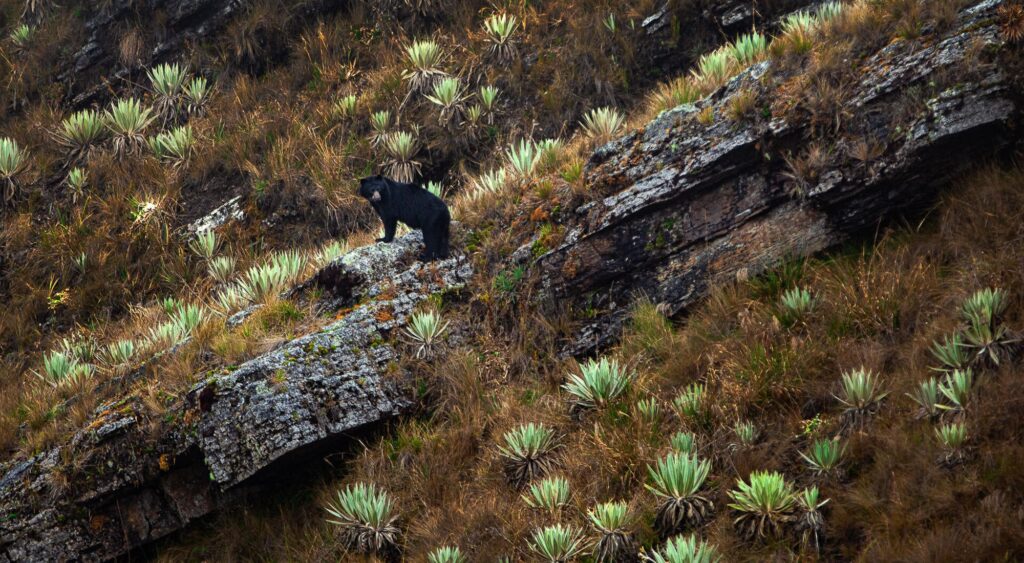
{"x": 374, "y": 188}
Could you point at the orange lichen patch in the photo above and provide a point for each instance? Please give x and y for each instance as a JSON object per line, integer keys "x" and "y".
{"x": 384, "y": 315}
{"x": 191, "y": 416}
{"x": 387, "y": 295}
{"x": 165, "y": 462}
{"x": 342, "y": 312}
{"x": 100, "y": 420}
{"x": 97, "y": 522}
{"x": 539, "y": 215}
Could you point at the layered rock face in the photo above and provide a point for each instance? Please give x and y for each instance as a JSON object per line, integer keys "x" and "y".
{"x": 112, "y": 487}
{"x": 692, "y": 205}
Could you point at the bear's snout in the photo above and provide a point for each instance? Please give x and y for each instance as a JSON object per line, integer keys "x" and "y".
{"x": 375, "y": 196}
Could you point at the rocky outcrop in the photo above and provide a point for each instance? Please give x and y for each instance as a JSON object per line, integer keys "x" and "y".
{"x": 113, "y": 487}
{"x": 689, "y": 204}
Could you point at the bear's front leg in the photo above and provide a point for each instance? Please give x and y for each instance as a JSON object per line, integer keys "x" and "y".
{"x": 389, "y": 230}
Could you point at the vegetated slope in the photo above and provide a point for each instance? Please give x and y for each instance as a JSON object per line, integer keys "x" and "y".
{"x": 276, "y": 109}
{"x": 500, "y": 368}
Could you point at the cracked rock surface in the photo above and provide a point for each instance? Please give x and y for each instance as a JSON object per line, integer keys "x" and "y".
{"x": 113, "y": 487}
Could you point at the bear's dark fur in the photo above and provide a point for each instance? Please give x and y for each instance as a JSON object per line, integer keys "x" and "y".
{"x": 416, "y": 207}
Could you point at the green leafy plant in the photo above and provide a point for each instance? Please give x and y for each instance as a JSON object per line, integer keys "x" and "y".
{"x": 490, "y": 182}
{"x": 77, "y": 180}
{"x": 952, "y": 353}
{"x": 127, "y": 119}
{"x": 550, "y": 494}
{"x": 345, "y": 106}
{"x": 489, "y": 99}
{"x": 984, "y": 332}
{"x": 13, "y": 161}
{"x": 330, "y": 252}
{"x": 861, "y": 395}
{"x": 221, "y": 268}
{"x": 764, "y": 504}
{"x": 167, "y": 82}
{"x": 118, "y": 354}
{"x": 380, "y": 122}
{"x": 615, "y": 542}
{"x": 677, "y": 479}
{"x": 953, "y": 438}
{"x": 746, "y": 433}
{"x": 204, "y": 244}
{"x": 366, "y": 517}
{"x": 63, "y": 369}
{"x": 447, "y": 554}
{"x": 558, "y": 543}
{"x": 602, "y": 124}
{"x": 689, "y": 403}
{"x": 926, "y": 395}
{"x": 499, "y": 29}
{"x": 677, "y": 92}
{"x": 402, "y": 148}
{"x": 529, "y": 453}
{"x": 824, "y": 456}
{"x": 649, "y": 410}
{"x": 425, "y": 328}
{"x": 956, "y": 388}
{"x": 748, "y": 48}
{"x": 523, "y": 157}
{"x": 713, "y": 69}
{"x": 601, "y": 382}
{"x": 81, "y": 131}
{"x": 448, "y": 94}
{"x": 424, "y": 60}
{"x": 174, "y": 146}
{"x": 684, "y": 442}
{"x": 434, "y": 188}
{"x": 686, "y": 549}
{"x": 197, "y": 95}
{"x": 21, "y": 36}
{"x": 796, "y": 304}
{"x": 811, "y": 523}
{"x": 798, "y": 32}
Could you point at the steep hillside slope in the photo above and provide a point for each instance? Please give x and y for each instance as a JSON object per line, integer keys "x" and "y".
{"x": 693, "y": 249}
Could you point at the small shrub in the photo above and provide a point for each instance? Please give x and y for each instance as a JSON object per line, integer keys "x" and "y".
{"x": 167, "y": 82}
{"x": 197, "y": 95}
{"x": 649, "y": 410}
{"x": 204, "y": 244}
{"x": 764, "y": 504}
{"x": 330, "y": 252}
{"x": 686, "y": 550}
{"x": 602, "y": 124}
{"x": 21, "y": 37}
{"x": 366, "y": 517}
{"x": 601, "y": 383}
{"x": 927, "y": 397}
{"x": 380, "y": 122}
{"x": 222, "y": 268}
{"x": 951, "y": 353}
{"x": 448, "y": 94}
{"x": 127, "y": 120}
{"x": 426, "y": 328}
{"x": 549, "y": 494}
{"x": 861, "y": 395}
{"x": 811, "y": 523}
{"x": 12, "y": 162}
{"x": 677, "y": 479}
{"x": 824, "y": 456}
{"x": 673, "y": 94}
{"x": 985, "y": 331}
{"x": 684, "y": 442}
{"x": 447, "y": 555}
{"x": 952, "y": 437}
{"x": 611, "y": 521}
{"x": 529, "y": 453}
{"x": 523, "y": 157}
{"x": 81, "y": 131}
{"x": 424, "y": 60}
{"x": 746, "y": 433}
{"x": 499, "y": 29}
{"x": 956, "y": 388}
{"x": 173, "y": 146}
{"x": 690, "y": 404}
{"x": 796, "y": 304}
{"x": 748, "y": 49}
{"x": 402, "y": 148}
{"x": 558, "y": 543}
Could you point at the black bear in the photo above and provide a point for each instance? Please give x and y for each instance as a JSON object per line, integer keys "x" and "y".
{"x": 416, "y": 207}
